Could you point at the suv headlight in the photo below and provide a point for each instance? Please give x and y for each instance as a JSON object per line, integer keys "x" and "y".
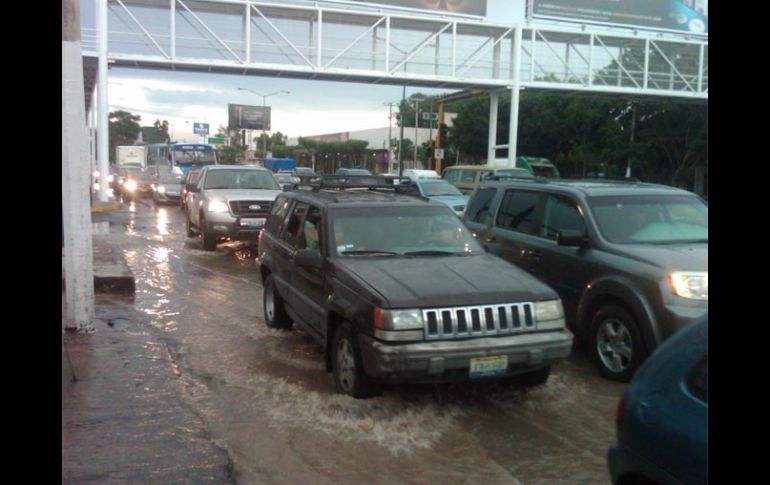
{"x": 398, "y": 319}
{"x": 218, "y": 206}
{"x": 690, "y": 284}
{"x": 549, "y": 314}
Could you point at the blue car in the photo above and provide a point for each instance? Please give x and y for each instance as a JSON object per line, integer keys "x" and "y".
{"x": 662, "y": 419}
{"x": 439, "y": 190}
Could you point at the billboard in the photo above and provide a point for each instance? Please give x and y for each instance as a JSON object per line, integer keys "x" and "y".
{"x": 676, "y": 15}
{"x": 245, "y": 117}
{"x": 201, "y": 128}
{"x": 463, "y": 7}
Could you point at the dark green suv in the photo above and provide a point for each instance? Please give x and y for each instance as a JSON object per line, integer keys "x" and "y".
{"x": 629, "y": 260}
{"x": 396, "y": 289}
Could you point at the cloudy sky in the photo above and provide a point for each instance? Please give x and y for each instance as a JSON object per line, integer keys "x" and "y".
{"x": 312, "y": 107}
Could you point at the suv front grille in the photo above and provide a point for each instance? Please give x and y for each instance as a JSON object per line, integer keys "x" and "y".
{"x": 242, "y": 207}
{"x": 474, "y": 321}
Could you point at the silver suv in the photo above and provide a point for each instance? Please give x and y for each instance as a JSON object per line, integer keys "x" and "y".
{"x": 230, "y": 202}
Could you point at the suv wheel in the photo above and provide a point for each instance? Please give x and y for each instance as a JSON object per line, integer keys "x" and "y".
{"x": 209, "y": 240}
{"x": 349, "y": 376}
{"x": 616, "y": 343}
{"x": 188, "y": 226}
{"x": 275, "y": 313}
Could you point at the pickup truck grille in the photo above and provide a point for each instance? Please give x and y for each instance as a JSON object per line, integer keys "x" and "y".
{"x": 242, "y": 207}
{"x": 475, "y": 321}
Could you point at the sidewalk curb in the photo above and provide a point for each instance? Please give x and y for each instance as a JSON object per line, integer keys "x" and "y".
{"x": 111, "y": 272}
{"x": 105, "y": 206}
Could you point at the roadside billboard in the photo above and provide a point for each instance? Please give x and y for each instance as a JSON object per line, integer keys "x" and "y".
{"x": 201, "y": 128}
{"x": 675, "y": 15}
{"x": 245, "y": 117}
{"x": 461, "y": 7}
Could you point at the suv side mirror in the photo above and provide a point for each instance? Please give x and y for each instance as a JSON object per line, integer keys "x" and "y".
{"x": 308, "y": 258}
{"x": 569, "y": 237}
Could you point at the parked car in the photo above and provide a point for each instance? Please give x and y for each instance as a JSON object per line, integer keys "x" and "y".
{"x": 286, "y": 179}
{"x": 662, "y": 419}
{"x": 438, "y": 190}
{"x": 167, "y": 188}
{"x": 352, "y": 171}
{"x": 190, "y": 180}
{"x": 629, "y": 260}
{"x": 395, "y": 289}
{"x": 230, "y": 201}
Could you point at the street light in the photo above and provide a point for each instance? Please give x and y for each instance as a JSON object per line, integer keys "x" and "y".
{"x": 264, "y": 105}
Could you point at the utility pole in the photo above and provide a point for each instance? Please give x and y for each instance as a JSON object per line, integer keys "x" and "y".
{"x": 401, "y": 139}
{"x": 76, "y": 176}
{"x": 631, "y": 139}
{"x": 416, "y": 124}
{"x": 389, "y": 104}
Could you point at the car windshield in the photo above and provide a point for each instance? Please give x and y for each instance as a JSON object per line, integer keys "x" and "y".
{"x": 401, "y": 231}
{"x": 131, "y": 172}
{"x": 305, "y": 171}
{"x": 651, "y": 219}
{"x": 240, "y": 179}
{"x": 355, "y": 171}
{"x": 439, "y": 187}
{"x": 170, "y": 178}
{"x": 285, "y": 177}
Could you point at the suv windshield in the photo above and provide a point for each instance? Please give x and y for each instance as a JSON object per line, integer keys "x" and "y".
{"x": 439, "y": 187}
{"x": 240, "y": 179}
{"x": 651, "y": 219}
{"x": 170, "y": 178}
{"x": 401, "y": 231}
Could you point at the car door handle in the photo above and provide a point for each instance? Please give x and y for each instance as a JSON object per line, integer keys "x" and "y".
{"x": 534, "y": 253}
{"x": 491, "y": 239}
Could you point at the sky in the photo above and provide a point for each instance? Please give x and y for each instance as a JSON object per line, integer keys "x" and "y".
{"x": 311, "y": 108}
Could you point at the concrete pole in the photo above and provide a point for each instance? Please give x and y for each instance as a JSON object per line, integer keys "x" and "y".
{"x": 416, "y": 125}
{"x": 492, "y": 141}
{"x": 513, "y": 126}
{"x": 75, "y": 182}
{"x": 102, "y": 127}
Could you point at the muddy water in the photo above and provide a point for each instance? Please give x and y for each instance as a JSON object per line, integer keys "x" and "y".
{"x": 266, "y": 399}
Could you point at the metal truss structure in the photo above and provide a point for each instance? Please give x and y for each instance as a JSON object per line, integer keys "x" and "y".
{"x": 360, "y": 45}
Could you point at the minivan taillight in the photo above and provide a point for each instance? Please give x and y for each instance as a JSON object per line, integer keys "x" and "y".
{"x": 620, "y": 414}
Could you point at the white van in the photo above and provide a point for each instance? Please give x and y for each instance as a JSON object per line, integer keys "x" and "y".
{"x": 415, "y": 174}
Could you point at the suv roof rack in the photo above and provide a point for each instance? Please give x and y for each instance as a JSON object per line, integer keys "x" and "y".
{"x": 503, "y": 178}
{"x": 611, "y": 177}
{"x": 340, "y": 182}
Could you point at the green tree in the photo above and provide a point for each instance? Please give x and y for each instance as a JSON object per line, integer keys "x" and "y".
{"x": 157, "y": 133}
{"x": 123, "y": 129}
{"x": 228, "y": 154}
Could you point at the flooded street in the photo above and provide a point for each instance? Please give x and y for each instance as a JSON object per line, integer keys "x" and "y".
{"x": 264, "y": 396}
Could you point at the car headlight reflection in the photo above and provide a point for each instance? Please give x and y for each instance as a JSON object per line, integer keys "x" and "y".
{"x": 218, "y": 206}
{"x": 398, "y": 319}
{"x": 690, "y": 284}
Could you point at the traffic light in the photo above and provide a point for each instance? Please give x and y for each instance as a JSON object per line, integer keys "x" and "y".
{"x": 443, "y": 131}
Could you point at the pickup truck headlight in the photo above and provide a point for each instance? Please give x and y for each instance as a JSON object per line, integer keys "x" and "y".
{"x": 218, "y": 206}
{"x": 161, "y": 189}
{"x": 398, "y": 319}
{"x": 130, "y": 185}
{"x": 690, "y": 284}
{"x": 549, "y": 314}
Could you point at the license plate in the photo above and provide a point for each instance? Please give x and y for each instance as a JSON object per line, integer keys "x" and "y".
{"x": 488, "y": 366}
{"x": 253, "y": 222}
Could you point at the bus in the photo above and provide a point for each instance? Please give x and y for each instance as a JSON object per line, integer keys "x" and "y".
{"x": 179, "y": 157}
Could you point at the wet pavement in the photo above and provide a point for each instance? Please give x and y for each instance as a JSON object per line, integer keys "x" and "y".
{"x": 233, "y": 400}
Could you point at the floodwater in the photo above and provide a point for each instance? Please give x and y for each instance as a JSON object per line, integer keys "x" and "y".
{"x": 266, "y": 399}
